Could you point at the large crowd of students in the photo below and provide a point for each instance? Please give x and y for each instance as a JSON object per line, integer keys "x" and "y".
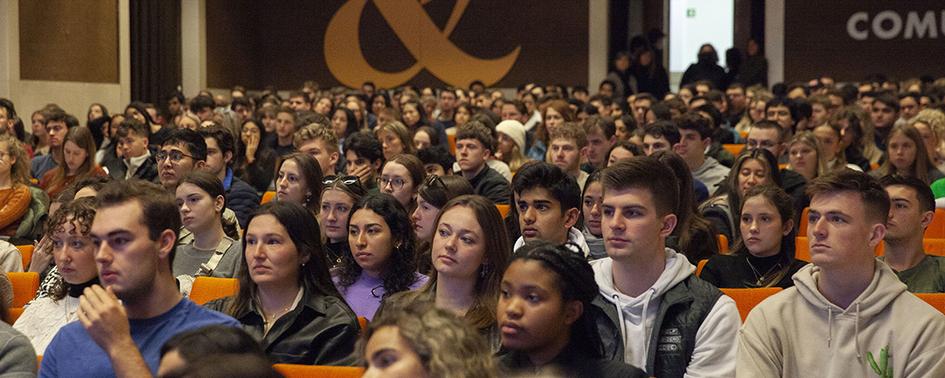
{"x": 483, "y": 232}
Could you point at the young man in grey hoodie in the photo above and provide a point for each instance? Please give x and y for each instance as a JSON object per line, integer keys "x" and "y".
{"x": 659, "y": 315}
{"x": 548, "y": 205}
{"x": 848, "y": 314}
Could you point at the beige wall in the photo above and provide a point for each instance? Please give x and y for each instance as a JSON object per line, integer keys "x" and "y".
{"x": 74, "y": 97}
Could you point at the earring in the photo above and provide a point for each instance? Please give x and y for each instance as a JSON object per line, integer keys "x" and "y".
{"x": 484, "y": 271}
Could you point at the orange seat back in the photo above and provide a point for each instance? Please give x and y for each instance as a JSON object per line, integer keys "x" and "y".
{"x": 206, "y": 289}
{"x": 734, "y": 149}
{"x": 13, "y": 313}
{"x": 802, "y": 230}
{"x": 936, "y": 229}
{"x": 801, "y": 249}
{"x": 747, "y": 299}
{"x": 451, "y": 139}
{"x": 267, "y": 196}
{"x": 25, "y": 286}
{"x": 503, "y": 209}
{"x": 700, "y": 266}
{"x": 934, "y": 247}
{"x": 936, "y": 300}
{"x": 362, "y": 322}
{"x": 723, "y": 244}
{"x": 26, "y": 251}
{"x": 297, "y": 371}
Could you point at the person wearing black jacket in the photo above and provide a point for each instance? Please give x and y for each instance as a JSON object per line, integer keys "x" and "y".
{"x": 706, "y": 68}
{"x": 651, "y": 77}
{"x": 132, "y": 144}
{"x": 287, "y": 300}
{"x": 474, "y": 146}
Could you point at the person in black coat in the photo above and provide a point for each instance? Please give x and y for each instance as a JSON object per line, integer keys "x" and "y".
{"x": 706, "y": 68}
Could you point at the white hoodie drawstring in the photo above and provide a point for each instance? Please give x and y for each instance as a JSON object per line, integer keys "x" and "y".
{"x": 856, "y": 334}
{"x": 646, "y": 330}
{"x": 829, "y": 325}
{"x": 623, "y": 324}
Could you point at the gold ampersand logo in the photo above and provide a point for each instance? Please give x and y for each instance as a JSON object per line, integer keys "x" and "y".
{"x": 430, "y": 47}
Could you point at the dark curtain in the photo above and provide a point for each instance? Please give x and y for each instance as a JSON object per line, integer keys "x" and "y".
{"x": 155, "y": 50}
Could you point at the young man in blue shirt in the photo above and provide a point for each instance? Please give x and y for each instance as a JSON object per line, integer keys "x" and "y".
{"x": 124, "y": 322}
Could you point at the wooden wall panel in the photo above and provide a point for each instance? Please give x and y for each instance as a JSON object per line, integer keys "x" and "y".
{"x": 69, "y": 40}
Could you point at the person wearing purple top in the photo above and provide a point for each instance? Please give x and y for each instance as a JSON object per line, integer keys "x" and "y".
{"x": 382, "y": 259}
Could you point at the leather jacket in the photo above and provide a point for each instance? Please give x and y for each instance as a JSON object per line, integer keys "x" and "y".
{"x": 321, "y": 330}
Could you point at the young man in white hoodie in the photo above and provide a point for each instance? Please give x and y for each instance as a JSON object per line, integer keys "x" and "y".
{"x": 547, "y": 205}
{"x": 659, "y": 315}
{"x": 848, "y": 314}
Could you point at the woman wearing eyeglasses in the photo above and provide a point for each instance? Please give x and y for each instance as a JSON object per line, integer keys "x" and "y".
{"x": 400, "y": 177}
{"x": 435, "y": 192}
{"x": 381, "y": 261}
{"x": 299, "y": 180}
{"x": 339, "y": 195}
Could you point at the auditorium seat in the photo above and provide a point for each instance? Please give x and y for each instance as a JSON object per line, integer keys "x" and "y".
{"x": 25, "y": 286}
{"x": 934, "y": 247}
{"x": 206, "y": 289}
{"x": 700, "y": 266}
{"x": 13, "y": 313}
{"x": 503, "y": 209}
{"x": 267, "y": 196}
{"x": 937, "y": 300}
{"x": 802, "y": 230}
{"x": 362, "y": 322}
{"x": 27, "y": 252}
{"x": 451, "y": 139}
{"x": 297, "y": 371}
{"x": 723, "y": 244}
{"x": 734, "y": 149}
{"x": 747, "y": 299}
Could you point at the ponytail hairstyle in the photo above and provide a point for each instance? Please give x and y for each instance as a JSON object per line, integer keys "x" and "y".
{"x": 575, "y": 279}
{"x": 214, "y": 188}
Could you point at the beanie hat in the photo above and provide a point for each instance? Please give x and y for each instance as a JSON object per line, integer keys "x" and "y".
{"x": 515, "y": 130}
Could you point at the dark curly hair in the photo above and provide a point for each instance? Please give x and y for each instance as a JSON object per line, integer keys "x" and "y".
{"x": 82, "y": 213}
{"x": 401, "y": 266}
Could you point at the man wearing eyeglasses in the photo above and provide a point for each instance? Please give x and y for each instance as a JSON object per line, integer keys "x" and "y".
{"x": 771, "y": 136}
{"x": 182, "y": 152}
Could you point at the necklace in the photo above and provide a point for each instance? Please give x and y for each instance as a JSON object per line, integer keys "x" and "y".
{"x": 760, "y": 278}
{"x": 277, "y": 314}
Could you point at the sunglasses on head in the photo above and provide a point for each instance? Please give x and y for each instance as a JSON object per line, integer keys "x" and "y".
{"x": 352, "y": 182}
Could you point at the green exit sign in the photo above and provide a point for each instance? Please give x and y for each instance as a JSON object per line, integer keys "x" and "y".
{"x": 690, "y": 13}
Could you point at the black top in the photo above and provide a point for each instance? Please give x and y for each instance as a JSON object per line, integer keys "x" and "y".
{"x": 572, "y": 362}
{"x": 492, "y": 185}
{"x": 745, "y": 270}
{"x": 334, "y": 251}
{"x": 321, "y": 330}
